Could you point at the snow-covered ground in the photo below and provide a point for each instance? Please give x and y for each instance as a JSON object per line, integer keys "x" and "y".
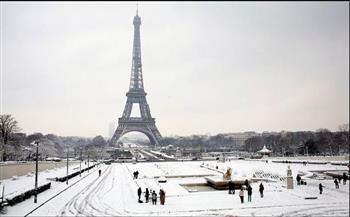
{"x": 114, "y": 193}
{"x": 21, "y": 184}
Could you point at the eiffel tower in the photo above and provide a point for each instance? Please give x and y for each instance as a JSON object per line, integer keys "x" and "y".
{"x": 137, "y": 95}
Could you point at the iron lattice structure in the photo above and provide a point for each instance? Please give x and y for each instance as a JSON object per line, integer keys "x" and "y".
{"x": 136, "y": 94}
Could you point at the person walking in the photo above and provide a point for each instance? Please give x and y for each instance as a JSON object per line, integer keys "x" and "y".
{"x": 336, "y": 183}
{"x": 250, "y": 191}
{"x": 241, "y": 195}
{"x": 230, "y": 183}
{"x": 345, "y": 178}
{"x": 154, "y": 198}
{"x": 246, "y": 183}
{"x": 298, "y": 179}
{"x": 162, "y": 196}
{"x": 147, "y": 195}
{"x": 139, "y": 192}
{"x": 261, "y": 190}
{"x": 320, "y": 187}
{"x": 99, "y": 172}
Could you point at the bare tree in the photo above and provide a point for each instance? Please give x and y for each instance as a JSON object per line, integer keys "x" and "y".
{"x": 328, "y": 138}
{"x": 344, "y": 130}
{"x": 8, "y": 126}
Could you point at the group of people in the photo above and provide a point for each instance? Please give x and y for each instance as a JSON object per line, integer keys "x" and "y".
{"x": 231, "y": 190}
{"x": 154, "y": 196}
{"x": 344, "y": 177}
{"x": 299, "y": 181}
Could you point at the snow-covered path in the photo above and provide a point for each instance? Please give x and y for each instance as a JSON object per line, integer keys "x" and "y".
{"x": 114, "y": 194}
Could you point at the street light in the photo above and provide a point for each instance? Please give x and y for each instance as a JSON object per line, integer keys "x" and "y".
{"x": 80, "y": 162}
{"x": 67, "y": 165}
{"x": 36, "y": 171}
{"x": 88, "y": 161}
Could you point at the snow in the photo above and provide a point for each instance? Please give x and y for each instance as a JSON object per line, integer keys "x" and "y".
{"x": 149, "y": 154}
{"x": 162, "y": 154}
{"x": 26, "y": 182}
{"x": 114, "y": 193}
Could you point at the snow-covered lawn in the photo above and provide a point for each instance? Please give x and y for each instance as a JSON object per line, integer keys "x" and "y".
{"x": 26, "y": 182}
{"x": 115, "y": 192}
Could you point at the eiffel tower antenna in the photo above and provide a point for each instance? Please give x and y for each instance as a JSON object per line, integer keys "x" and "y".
{"x": 137, "y": 8}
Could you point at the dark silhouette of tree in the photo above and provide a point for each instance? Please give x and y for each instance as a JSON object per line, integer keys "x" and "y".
{"x": 98, "y": 141}
{"x": 8, "y": 127}
{"x": 325, "y": 140}
{"x": 343, "y": 143}
{"x": 311, "y": 147}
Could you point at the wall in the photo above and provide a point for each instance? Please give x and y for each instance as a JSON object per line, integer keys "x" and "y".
{"x": 20, "y": 169}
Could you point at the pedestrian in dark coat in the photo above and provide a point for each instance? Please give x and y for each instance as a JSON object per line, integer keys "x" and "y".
{"x": 241, "y": 195}
{"x": 139, "y": 192}
{"x": 162, "y": 196}
{"x": 230, "y": 187}
{"x": 336, "y": 183}
{"x": 99, "y": 172}
{"x": 320, "y": 187}
{"x": 154, "y": 198}
{"x": 345, "y": 178}
{"x": 250, "y": 191}
{"x": 298, "y": 179}
{"x": 147, "y": 195}
{"x": 261, "y": 190}
{"x": 233, "y": 188}
{"x": 246, "y": 183}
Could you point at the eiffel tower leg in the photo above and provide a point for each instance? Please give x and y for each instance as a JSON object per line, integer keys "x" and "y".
{"x": 117, "y": 134}
{"x": 155, "y": 134}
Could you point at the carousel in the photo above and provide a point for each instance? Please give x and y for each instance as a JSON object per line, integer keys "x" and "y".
{"x": 265, "y": 152}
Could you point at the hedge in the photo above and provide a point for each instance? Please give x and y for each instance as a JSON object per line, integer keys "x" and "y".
{"x": 64, "y": 178}
{"x": 27, "y": 194}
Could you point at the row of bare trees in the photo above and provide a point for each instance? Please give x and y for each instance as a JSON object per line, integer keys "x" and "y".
{"x": 323, "y": 141}
{"x": 16, "y": 146}
{"x": 219, "y": 142}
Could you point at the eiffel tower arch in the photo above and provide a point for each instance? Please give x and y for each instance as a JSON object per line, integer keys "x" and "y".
{"x": 145, "y": 124}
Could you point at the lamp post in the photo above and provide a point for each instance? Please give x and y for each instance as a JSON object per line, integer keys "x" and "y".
{"x": 36, "y": 171}
{"x": 67, "y": 166}
{"x": 80, "y": 162}
{"x": 88, "y": 161}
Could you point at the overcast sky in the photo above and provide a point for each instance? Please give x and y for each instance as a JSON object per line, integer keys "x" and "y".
{"x": 208, "y": 67}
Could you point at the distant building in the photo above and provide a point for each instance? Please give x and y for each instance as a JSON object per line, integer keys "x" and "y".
{"x": 178, "y": 153}
{"x": 119, "y": 153}
{"x": 240, "y": 138}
